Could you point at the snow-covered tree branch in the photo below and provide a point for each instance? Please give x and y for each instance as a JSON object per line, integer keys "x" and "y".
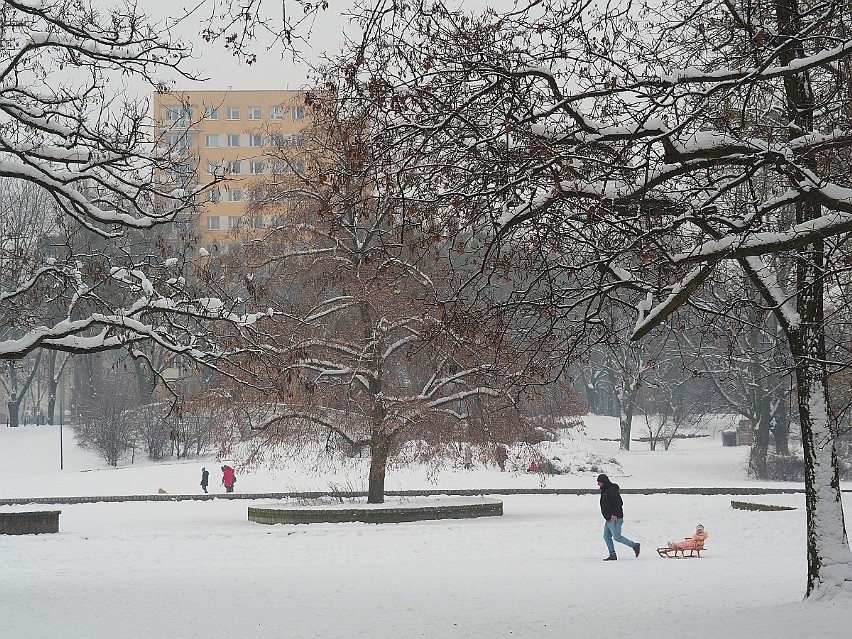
{"x": 643, "y": 152}
{"x": 110, "y": 262}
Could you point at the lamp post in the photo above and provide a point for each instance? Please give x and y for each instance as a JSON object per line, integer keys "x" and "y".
{"x": 61, "y": 418}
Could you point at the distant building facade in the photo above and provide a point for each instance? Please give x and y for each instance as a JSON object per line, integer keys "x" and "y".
{"x": 230, "y": 134}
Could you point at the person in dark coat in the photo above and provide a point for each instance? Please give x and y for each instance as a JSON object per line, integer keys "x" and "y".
{"x": 204, "y": 479}
{"x": 613, "y": 514}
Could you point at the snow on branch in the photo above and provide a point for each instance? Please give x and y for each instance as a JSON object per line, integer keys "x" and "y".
{"x": 796, "y": 66}
{"x": 650, "y": 316}
{"x": 752, "y": 244}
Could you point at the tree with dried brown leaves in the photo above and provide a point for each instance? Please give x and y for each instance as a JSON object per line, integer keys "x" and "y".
{"x": 367, "y": 341}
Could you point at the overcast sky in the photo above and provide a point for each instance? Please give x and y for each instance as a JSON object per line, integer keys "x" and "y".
{"x": 223, "y": 70}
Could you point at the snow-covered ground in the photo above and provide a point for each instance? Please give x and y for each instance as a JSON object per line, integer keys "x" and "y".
{"x": 201, "y": 569}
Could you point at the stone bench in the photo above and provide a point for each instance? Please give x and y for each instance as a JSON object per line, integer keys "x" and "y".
{"x": 375, "y": 513}
{"x": 29, "y": 523}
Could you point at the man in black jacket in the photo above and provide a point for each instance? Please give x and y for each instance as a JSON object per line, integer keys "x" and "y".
{"x": 613, "y": 514}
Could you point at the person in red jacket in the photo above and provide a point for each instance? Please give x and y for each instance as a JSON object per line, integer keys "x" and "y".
{"x": 228, "y": 478}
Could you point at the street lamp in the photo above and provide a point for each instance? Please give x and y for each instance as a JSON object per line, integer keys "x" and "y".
{"x": 61, "y": 418}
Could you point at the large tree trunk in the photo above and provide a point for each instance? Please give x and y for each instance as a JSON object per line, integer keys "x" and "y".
{"x": 13, "y": 405}
{"x": 145, "y": 379}
{"x": 781, "y": 430}
{"x": 829, "y": 557}
{"x": 760, "y": 447}
{"x": 611, "y": 408}
{"x": 380, "y": 444}
{"x": 589, "y": 383}
{"x": 626, "y": 405}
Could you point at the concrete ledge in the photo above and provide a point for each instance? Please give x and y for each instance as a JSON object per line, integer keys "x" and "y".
{"x": 94, "y": 499}
{"x": 29, "y": 523}
{"x": 376, "y": 513}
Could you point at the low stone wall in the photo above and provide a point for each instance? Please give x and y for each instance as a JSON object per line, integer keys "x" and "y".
{"x": 94, "y": 499}
{"x": 747, "y": 505}
{"x": 29, "y": 523}
{"x": 374, "y": 513}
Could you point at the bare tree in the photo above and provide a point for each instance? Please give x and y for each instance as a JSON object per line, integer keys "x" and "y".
{"x": 106, "y": 417}
{"x": 750, "y": 369}
{"x": 630, "y": 135}
{"x": 674, "y": 405}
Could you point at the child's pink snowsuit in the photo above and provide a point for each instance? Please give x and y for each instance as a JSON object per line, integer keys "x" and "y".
{"x": 692, "y": 542}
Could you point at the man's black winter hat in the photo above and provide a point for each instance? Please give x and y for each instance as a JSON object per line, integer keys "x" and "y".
{"x": 603, "y": 479}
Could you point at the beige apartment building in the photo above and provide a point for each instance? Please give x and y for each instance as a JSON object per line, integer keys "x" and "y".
{"x": 230, "y": 134}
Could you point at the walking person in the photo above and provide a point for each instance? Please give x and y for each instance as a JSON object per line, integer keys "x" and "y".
{"x": 228, "y": 478}
{"x": 613, "y": 514}
{"x": 204, "y": 479}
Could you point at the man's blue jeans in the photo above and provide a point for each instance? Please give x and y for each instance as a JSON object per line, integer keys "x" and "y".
{"x": 612, "y": 531}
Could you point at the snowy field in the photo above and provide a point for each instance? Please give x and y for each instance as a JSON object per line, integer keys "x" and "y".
{"x": 200, "y": 569}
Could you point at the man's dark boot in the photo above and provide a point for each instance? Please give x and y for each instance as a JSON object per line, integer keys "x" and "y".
{"x": 611, "y": 558}
{"x": 636, "y": 549}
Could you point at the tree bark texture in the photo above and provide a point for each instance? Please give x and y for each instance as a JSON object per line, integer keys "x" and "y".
{"x": 626, "y": 405}
{"x": 829, "y": 556}
{"x": 380, "y": 444}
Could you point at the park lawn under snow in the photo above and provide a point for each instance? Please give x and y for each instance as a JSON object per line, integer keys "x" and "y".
{"x": 201, "y": 569}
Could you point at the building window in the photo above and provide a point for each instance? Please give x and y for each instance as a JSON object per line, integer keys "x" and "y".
{"x": 177, "y": 113}
{"x": 254, "y": 113}
{"x": 234, "y": 167}
{"x": 233, "y": 221}
{"x": 297, "y": 139}
{"x": 233, "y": 113}
{"x": 211, "y": 113}
{"x": 211, "y": 140}
{"x": 178, "y": 143}
{"x": 257, "y": 222}
{"x": 179, "y": 117}
{"x": 235, "y": 195}
{"x": 212, "y": 222}
{"x": 276, "y": 140}
{"x": 276, "y": 113}
{"x": 233, "y": 139}
{"x": 213, "y": 168}
{"x": 214, "y": 195}
{"x": 297, "y": 111}
{"x": 255, "y": 168}
{"x": 184, "y": 168}
{"x": 255, "y": 139}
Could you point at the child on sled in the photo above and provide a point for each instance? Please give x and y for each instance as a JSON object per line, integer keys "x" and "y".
{"x": 689, "y": 543}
